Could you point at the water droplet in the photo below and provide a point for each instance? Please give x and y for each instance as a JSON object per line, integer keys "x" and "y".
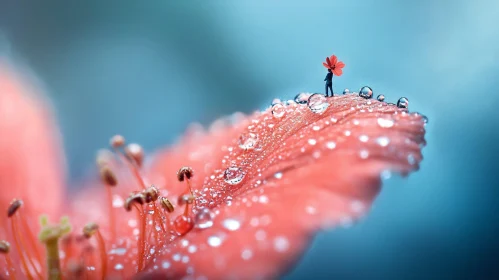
{"x": 366, "y": 92}
{"x": 248, "y": 141}
{"x": 233, "y": 175}
{"x": 364, "y": 154}
{"x": 118, "y": 251}
{"x": 346, "y": 91}
{"x": 364, "y": 138}
{"x": 260, "y": 235}
{"x": 214, "y": 241}
{"x": 331, "y": 145}
{"x": 281, "y": 244}
{"x": 176, "y": 257}
{"x": 411, "y": 159}
{"x": 381, "y": 97}
{"x": 403, "y": 102}
{"x": 246, "y": 254}
{"x": 278, "y": 110}
{"x": 165, "y": 265}
{"x": 278, "y": 175}
{"x": 316, "y": 128}
{"x": 317, "y": 103}
{"x": 386, "y": 123}
{"x": 312, "y": 142}
{"x": 192, "y": 249}
{"x": 302, "y": 98}
{"x": 276, "y": 101}
{"x": 231, "y": 224}
{"x": 383, "y": 141}
{"x": 204, "y": 218}
{"x": 118, "y": 266}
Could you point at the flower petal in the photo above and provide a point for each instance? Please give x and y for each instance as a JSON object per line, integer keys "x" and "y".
{"x": 325, "y": 65}
{"x": 30, "y": 162}
{"x": 307, "y": 171}
{"x": 337, "y": 71}
{"x": 340, "y": 64}
{"x": 328, "y": 62}
{"x": 334, "y": 59}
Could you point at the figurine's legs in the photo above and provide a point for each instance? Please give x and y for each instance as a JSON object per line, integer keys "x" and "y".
{"x": 330, "y": 88}
{"x": 326, "y": 90}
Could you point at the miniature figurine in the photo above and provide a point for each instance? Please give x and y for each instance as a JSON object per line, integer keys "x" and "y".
{"x": 333, "y": 67}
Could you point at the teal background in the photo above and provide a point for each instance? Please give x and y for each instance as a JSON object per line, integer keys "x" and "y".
{"x": 146, "y": 69}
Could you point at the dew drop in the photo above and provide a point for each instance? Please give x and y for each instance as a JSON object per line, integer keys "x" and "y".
{"x": 278, "y": 110}
{"x": 385, "y": 123}
{"x": 214, "y": 241}
{"x": 281, "y": 244}
{"x": 381, "y": 97}
{"x": 331, "y": 145}
{"x": 165, "y": 265}
{"x": 403, "y": 103}
{"x": 192, "y": 249}
{"x": 231, "y": 224}
{"x": 364, "y": 138}
{"x": 204, "y": 218}
{"x": 364, "y": 154}
{"x": 246, "y": 254}
{"x": 278, "y": 175}
{"x": 233, "y": 175}
{"x": 117, "y": 251}
{"x": 118, "y": 266}
{"x": 317, "y": 103}
{"x": 302, "y": 98}
{"x": 383, "y": 141}
{"x": 346, "y": 91}
{"x": 312, "y": 142}
{"x": 366, "y": 92}
{"x": 411, "y": 159}
{"x": 248, "y": 141}
{"x": 276, "y": 101}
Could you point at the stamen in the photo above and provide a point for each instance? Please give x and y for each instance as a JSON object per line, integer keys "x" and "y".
{"x": 184, "y": 223}
{"x": 166, "y": 204}
{"x": 137, "y": 200}
{"x": 50, "y": 235}
{"x": 93, "y": 229}
{"x": 5, "y": 249}
{"x": 135, "y": 152}
{"x": 117, "y": 141}
{"x": 24, "y": 253}
{"x": 186, "y": 173}
{"x": 110, "y": 180}
{"x": 151, "y": 194}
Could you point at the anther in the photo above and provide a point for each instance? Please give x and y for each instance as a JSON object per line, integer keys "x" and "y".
{"x": 108, "y": 176}
{"x": 92, "y": 229}
{"x": 4, "y": 247}
{"x": 184, "y": 172}
{"x": 150, "y": 194}
{"x": 117, "y": 141}
{"x": 166, "y": 204}
{"x": 13, "y": 207}
{"x": 104, "y": 157}
{"x": 4, "y": 250}
{"x": 134, "y": 198}
{"x": 135, "y": 152}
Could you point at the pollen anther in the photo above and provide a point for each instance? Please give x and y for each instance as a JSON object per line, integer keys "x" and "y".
{"x": 184, "y": 172}
{"x": 13, "y": 207}
{"x": 166, "y": 204}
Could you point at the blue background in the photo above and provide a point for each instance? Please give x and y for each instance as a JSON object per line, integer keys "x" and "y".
{"x": 146, "y": 69}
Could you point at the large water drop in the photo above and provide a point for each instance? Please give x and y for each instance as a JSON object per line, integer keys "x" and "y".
{"x": 381, "y": 97}
{"x": 346, "y": 91}
{"x": 301, "y": 98}
{"x": 366, "y": 92}
{"x": 276, "y": 101}
{"x": 248, "y": 141}
{"x": 403, "y": 103}
{"x": 317, "y": 103}
{"x": 204, "y": 218}
{"x": 233, "y": 175}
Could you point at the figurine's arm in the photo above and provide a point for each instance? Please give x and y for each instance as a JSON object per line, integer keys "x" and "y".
{"x": 326, "y": 77}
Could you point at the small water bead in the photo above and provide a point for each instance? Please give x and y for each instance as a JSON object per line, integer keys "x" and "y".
{"x": 231, "y": 224}
{"x": 385, "y": 123}
{"x": 278, "y": 110}
{"x": 204, "y": 218}
{"x": 302, "y": 98}
{"x": 331, "y": 145}
{"x": 383, "y": 141}
{"x": 312, "y": 142}
{"x": 381, "y": 97}
{"x": 364, "y": 154}
{"x": 165, "y": 265}
{"x": 366, "y": 92}
{"x": 233, "y": 175}
{"x": 411, "y": 159}
{"x": 281, "y": 244}
{"x": 214, "y": 241}
{"x": 118, "y": 266}
{"x": 248, "y": 141}
{"x": 346, "y": 91}
{"x": 278, "y": 175}
{"x": 364, "y": 138}
{"x": 403, "y": 103}
{"x": 317, "y": 103}
{"x": 246, "y": 254}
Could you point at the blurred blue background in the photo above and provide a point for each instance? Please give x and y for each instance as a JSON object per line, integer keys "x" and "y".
{"x": 146, "y": 69}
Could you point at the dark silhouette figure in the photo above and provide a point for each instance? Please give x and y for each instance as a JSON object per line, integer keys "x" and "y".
{"x": 329, "y": 82}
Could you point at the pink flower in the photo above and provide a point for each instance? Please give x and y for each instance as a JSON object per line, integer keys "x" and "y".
{"x": 262, "y": 186}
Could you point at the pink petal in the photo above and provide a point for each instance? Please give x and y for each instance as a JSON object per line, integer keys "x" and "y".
{"x": 30, "y": 161}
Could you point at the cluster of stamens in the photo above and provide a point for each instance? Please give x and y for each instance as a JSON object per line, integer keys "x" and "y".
{"x": 147, "y": 200}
